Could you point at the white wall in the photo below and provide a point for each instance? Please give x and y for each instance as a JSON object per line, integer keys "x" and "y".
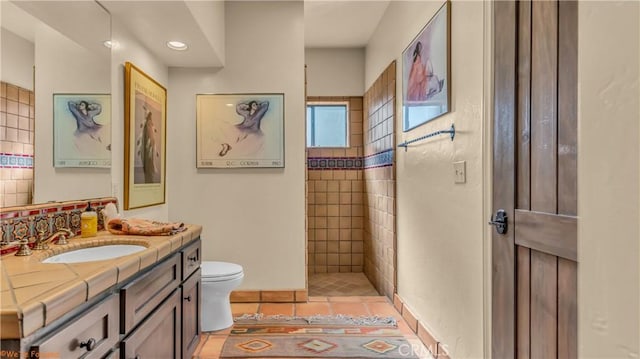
{"x": 439, "y": 223}
{"x": 62, "y": 66}
{"x": 608, "y": 179}
{"x": 335, "y": 72}
{"x": 129, "y": 49}
{"x": 210, "y": 17}
{"x": 17, "y": 60}
{"x": 254, "y": 217}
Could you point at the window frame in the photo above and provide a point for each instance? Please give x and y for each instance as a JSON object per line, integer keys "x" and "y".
{"x": 320, "y": 103}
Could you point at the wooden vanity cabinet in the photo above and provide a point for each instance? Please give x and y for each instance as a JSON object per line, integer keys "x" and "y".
{"x": 154, "y": 315}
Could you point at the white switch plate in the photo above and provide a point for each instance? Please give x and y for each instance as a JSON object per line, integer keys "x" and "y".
{"x": 460, "y": 173}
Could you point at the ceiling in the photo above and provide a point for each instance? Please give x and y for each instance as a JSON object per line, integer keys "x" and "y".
{"x": 341, "y": 23}
{"x": 327, "y": 24}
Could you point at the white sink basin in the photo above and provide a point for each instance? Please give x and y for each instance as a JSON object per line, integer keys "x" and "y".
{"x": 95, "y": 253}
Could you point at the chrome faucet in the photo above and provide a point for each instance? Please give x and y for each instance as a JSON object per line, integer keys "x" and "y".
{"x": 61, "y": 234}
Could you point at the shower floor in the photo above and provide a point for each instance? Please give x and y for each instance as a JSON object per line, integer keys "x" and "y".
{"x": 340, "y": 284}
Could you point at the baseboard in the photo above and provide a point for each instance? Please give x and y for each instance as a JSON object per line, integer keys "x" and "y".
{"x": 269, "y": 296}
{"x": 433, "y": 346}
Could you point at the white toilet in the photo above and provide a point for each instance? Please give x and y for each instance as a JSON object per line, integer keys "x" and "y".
{"x": 218, "y": 280}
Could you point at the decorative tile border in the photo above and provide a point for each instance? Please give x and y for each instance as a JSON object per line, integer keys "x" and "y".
{"x": 21, "y": 222}
{"x": 381, "y": 159}
{"x": 334, "y": 163}
{"x": 9, "y": 160}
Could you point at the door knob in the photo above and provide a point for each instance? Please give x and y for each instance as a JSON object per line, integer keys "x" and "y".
{"x": 501, "y": 221}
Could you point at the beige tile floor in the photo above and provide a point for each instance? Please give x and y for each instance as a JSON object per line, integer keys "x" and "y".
{"x": 211, "y": 343}
{"x": 340, "y": 284}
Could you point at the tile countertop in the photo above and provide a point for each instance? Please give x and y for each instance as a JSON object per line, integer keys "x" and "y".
{"x": 33, "y": 294}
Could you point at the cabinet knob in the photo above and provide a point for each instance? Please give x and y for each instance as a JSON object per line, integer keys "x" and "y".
{"x": 89, "y": 344}
{"x": 188, "y": 299}
{"x": 193, "y": 259}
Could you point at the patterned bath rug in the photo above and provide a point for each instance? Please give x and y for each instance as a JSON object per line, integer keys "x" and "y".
{"x": 316, "y": 337}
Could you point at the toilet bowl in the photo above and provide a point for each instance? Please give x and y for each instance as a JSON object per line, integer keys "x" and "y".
{"x": 218, "y": 280}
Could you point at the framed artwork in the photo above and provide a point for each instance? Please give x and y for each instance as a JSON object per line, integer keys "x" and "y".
{"x": 240, "y": 130}
{"x": 426, "y": 72}
{"x": 145, "y": 117}
{"x": 82, "y": 130}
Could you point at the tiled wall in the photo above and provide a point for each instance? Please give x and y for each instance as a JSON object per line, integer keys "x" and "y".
{"x": 17, "y": 121}
{"x": 379, "y": 176}
{"x": 335, "y": 199}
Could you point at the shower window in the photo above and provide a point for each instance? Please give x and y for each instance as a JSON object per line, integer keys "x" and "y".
{"x": 327, "y": 124}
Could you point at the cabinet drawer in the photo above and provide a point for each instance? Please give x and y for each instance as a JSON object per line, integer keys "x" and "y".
{"x": 140, "y": 297}
{"x": 92, "y": 335}
{"x": 191, "y": 259}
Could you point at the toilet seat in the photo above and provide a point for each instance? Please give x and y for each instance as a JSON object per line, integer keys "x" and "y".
{"x": 220, "y": 271}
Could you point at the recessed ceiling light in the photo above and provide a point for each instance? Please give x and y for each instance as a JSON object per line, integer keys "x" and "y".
{"x": 177, "y": 45}
{"x": 110, "y": 44}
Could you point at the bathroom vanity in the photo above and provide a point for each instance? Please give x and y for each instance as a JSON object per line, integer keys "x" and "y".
{"x": 141, "y": 305}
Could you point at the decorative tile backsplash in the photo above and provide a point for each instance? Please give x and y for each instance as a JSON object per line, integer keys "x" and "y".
{"x": 29, "y": 222}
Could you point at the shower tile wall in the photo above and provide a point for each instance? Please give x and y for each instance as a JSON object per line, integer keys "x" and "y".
{"x": 335, "y": 199}
{"x": 16, "y": 145}
{"x": 380, "y": 176}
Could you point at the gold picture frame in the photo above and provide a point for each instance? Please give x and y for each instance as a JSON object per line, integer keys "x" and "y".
{"x": 145, "y": 118}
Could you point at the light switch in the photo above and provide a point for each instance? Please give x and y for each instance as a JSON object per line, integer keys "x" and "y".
{"x": 460, "y": 173}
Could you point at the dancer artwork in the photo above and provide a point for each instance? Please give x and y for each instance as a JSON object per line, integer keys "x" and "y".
{"x": 145, "y": 139}
{"x": 240, "y": 130}
{"x": 426, "y": 72}
{"x": 82, "y": 130}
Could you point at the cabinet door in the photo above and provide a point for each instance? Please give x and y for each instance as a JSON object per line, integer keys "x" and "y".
{"x": 92, "y": 335}
{"x": 141, "y": 296}
{"x": 191, "y": 301}
{"x": 159, "y": 336}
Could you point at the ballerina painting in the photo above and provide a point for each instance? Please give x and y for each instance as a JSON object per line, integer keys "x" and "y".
{"x": 240, "y": 130}
{"x": 82, "y": 130}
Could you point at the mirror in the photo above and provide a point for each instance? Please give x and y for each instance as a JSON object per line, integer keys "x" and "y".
{"x": 49, "y": 47}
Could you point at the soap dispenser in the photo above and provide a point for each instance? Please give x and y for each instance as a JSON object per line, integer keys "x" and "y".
{"x": 89, "y": 222}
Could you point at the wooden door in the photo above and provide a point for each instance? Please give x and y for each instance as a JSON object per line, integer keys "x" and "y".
{"x": 534, "y": 284}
